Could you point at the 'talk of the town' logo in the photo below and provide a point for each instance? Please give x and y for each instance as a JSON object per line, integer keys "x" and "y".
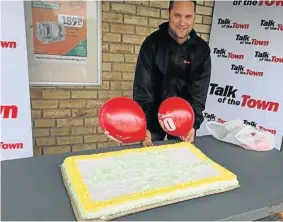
{"x": 8, "y": 44}
{"x": 228, "y": 94}
{"x": 228, "y": 24}
{"x": 209, "y": 116}
{"x": 264, "y": 56}
{"x": 241, "y": 70}
{"x": 267, "y": 3}
{"x": 11, "y": 146}
{"x": 271, "y": 25}
{"x": 9, "y": 111}
{"x": 247, "y": 40}
{"x": 222, "y": 53}
{"x": 256, "y": 125}
{"x": 213, "y": 117}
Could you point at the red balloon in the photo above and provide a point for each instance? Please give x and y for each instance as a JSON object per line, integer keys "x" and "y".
{"x": 176, "y": 116}
{"x": 123, "y": 120}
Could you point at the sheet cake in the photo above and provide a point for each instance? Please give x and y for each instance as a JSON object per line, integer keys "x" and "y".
{"x": 109, "y": 185}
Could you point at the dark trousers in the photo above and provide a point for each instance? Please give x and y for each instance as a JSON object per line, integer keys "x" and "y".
{"x": 161, "y": 136}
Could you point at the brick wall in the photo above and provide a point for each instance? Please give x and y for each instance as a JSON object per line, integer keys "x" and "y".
{"x": 65, "y": 118}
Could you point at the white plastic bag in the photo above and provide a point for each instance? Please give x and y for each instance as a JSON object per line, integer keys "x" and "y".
{"x": 243, "y": 135}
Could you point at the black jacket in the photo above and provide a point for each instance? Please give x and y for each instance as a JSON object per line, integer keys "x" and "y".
{"x": 165, "y": 69}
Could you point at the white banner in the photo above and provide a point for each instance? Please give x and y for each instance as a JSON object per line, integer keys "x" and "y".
{"x": 246, "y": 43}
{"x": 16, "y": 129}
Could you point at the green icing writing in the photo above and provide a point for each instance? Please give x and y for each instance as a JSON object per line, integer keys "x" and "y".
{"x": 131, "y": 168}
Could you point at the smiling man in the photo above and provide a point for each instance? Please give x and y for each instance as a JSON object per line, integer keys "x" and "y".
{"x": 173, "y": 61}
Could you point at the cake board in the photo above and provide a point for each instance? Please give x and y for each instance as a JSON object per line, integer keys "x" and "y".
{"x": 139, "y": 209}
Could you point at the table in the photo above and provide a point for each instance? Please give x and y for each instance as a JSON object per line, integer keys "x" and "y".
{"x": 32, "y": 188}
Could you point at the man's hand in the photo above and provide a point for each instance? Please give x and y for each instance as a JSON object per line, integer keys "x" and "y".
{"x": 191, "y": 136}
{"x": 147, "y": 141}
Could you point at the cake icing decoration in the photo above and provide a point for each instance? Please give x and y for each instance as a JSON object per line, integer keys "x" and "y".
{"x": 134, "y": 178}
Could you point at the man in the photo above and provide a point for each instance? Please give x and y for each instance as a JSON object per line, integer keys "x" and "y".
{"x": 173, "y": 61}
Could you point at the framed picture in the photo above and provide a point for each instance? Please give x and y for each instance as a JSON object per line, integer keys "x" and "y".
{"x": 64, "y": 42}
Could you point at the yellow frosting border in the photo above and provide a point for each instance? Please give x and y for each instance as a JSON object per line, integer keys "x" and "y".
{"x": 89, "y": 205}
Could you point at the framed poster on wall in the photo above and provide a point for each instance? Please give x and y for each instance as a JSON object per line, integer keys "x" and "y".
{"x": 64, "y": 42}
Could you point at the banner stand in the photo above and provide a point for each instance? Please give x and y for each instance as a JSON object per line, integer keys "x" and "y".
{"x": 247, "y": 63}
{"x": 15, "y": 112}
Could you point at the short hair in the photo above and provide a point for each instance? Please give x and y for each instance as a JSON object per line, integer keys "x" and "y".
{"x": 171, "y": 4}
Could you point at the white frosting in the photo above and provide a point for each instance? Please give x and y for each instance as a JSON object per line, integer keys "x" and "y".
{"x": 109, "y": 177}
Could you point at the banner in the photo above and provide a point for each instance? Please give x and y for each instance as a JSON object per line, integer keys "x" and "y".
{"x": 60, "y": 30}
{"x": 16, "y": 129}
{"x": 247, "y": 65}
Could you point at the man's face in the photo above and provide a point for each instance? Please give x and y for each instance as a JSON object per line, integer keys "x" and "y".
{"x": 181, "y": 19}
